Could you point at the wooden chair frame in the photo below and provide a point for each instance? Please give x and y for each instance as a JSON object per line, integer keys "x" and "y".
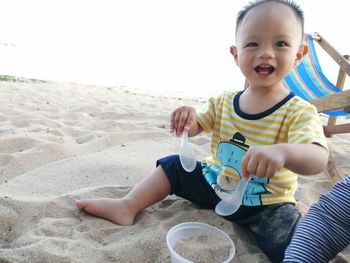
{"x": 334, "y": 101}
{"x": 337, "y": 100}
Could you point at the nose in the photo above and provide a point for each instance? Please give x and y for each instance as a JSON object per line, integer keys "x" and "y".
{"x": 266, "y": 53}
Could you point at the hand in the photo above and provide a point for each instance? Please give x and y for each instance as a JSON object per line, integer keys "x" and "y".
{"x": 263, "y": 161}
{"x": 182, "y": 118}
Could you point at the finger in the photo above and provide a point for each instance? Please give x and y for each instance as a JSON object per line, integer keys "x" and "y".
{"x": 244, "y": 164}
{"x": 261, "y": 169}
{"x": 172, "y": 126}
{"x": 191, "y": 118}
{"x": 181, "y": 123}
{"x": 271, "y": 170}
{"x": 176, "y": 121}
{"x": 252, "y": 165}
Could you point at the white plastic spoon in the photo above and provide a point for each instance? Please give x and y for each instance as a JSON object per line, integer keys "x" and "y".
{"x": 186, "y": 153}
{"x": 231, "y": 204}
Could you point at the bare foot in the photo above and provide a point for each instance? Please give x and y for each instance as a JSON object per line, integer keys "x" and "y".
{"x": 114, "y": 210}
{"x": 302, "y": 208}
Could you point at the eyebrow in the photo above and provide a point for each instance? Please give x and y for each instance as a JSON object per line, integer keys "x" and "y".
{"x": 284, "y": 36}
{"x": 281, "y": 36}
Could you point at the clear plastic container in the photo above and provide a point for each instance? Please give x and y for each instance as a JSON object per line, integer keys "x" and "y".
{"x": 189, "y": 229}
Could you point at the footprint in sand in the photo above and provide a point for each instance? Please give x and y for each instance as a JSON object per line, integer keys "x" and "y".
{"x": 18, "y": 144}
{"x": 3, "y": 118}
{"x": 85, "y": 139}
{"x": 8, "y": 219}
{"x": 166, "y": 203}
{"x": 5, "y": 159}
{"x": 55, "y": 227}
{"x": 25, "y": 121}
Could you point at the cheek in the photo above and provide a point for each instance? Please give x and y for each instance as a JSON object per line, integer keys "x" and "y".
{"x": 294, "y": 56}
{"x": 293, "y": 62}
{"x": 243, "y": 61}
{"x": 289, "y": 61}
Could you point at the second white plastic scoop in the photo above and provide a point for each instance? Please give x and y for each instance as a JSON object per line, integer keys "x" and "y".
{"x": 231, "y": 204}
{"x": 187, "y": 157}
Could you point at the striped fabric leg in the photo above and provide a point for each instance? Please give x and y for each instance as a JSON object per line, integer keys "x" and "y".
{"x": 325, "y": 229}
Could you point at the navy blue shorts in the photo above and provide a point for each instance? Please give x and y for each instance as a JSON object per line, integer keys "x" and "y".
{"x": 273, "y": 225}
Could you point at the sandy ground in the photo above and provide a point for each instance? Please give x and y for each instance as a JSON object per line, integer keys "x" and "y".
{"x": 61, "y": 141}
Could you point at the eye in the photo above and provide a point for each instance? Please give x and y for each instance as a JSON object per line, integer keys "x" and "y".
{"x": 252, "y": 44}
{"x": 281, "y": 44}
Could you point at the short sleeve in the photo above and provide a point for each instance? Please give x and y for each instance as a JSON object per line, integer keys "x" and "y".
{"x": 306, "y": 127}
{"x": 207, "y": 113}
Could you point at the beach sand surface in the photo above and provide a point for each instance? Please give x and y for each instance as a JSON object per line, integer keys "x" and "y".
{"x": 63, "y": 141}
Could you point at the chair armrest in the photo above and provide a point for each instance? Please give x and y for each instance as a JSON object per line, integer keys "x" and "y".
{"x": 331, "y": 102}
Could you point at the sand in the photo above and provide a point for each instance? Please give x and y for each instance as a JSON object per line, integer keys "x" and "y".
{"x": 62, "y": 141}
{"x": 209, "y": 248}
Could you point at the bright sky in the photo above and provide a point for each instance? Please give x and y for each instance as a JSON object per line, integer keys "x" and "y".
{"x": 155, "y": 44}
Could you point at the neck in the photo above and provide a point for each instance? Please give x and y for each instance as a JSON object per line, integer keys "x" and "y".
{"x": 269, "y": 91}
{"x": 254, "y": 101}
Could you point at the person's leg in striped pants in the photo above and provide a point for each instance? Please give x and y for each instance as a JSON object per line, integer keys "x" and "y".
{"x": 325, "y": 229}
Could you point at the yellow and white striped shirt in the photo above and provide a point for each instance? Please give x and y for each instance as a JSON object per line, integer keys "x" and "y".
{"x": 292, "y": 120}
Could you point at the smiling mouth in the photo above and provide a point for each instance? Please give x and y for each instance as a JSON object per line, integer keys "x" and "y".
{"x": 264, "y": 70}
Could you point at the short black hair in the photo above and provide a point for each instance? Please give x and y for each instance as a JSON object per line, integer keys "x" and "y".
{"x": 299, "y": 13}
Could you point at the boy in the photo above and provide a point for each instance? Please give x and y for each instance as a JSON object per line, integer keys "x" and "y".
{"x": 281, "y": 134}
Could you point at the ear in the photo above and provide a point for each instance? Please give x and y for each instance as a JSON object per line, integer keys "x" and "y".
{"x": 233, "y": 51}
{"x": 302, "y": 51}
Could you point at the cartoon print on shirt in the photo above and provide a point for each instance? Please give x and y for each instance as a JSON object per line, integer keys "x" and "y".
{"x": 230, "y": 154}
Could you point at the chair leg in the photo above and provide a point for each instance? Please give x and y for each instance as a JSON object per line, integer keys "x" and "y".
{"x": 332, "y": 120}
{"x": 340, "y": 84}
{"x": 337, "y": 129}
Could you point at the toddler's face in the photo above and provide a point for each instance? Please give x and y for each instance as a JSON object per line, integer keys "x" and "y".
{"x": 268, "y": 44}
